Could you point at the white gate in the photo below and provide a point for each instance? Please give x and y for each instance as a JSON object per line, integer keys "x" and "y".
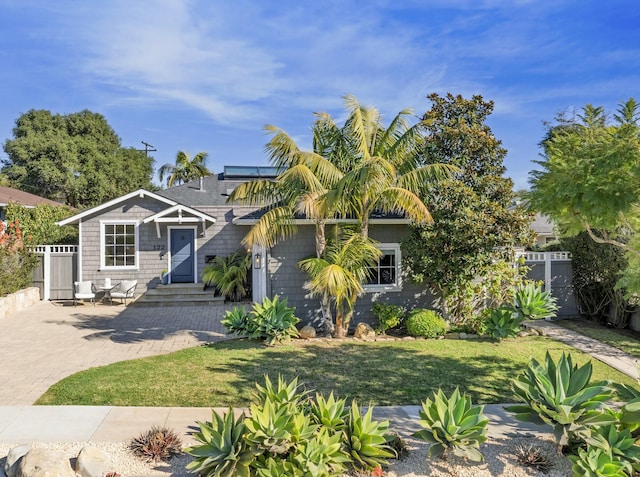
{"x": 56, "y": 271}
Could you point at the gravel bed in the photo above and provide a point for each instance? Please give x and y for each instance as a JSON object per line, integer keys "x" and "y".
{"x": 498, "y": 454}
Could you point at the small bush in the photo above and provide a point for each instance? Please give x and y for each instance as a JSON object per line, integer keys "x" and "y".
{"x": 389, "y": 316}
{"x": 16, "y": 262}
{"x": 157, "y": 444}
{"x": 425, "y": 324}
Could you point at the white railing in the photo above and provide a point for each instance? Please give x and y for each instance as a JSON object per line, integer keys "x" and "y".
{"x": 54, "y": 249}
{"x": 544, "y": 256}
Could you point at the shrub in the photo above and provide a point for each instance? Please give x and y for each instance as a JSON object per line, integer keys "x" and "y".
{"x": 271, "y": 320}
{"x": 16, "y": 262}
{"x": 531, "y": 303}
{"x": 425, "y": 323}
{"x": 560, "y": 395}
{"x": 156, "y": 444}
{"x": 453, "y": 424}
{"x": 389, "y": 316}
{"x": 500, "y": 323}
{"x": 229, "y": 275}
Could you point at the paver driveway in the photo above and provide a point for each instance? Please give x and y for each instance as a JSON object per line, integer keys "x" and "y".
{"x": 49, "y": 341}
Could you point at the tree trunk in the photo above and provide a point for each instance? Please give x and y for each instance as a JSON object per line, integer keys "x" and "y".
{"x": 321, "y": 239}
{"x": 338, "y": 331}
{"x": 327, "y": 319}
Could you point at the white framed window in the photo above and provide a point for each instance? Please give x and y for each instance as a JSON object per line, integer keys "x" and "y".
{"x": 119, "y": 245}
{"x": 385, "y": 275}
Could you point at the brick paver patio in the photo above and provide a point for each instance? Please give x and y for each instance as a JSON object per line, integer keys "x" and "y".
{"x": 49, "y": 341}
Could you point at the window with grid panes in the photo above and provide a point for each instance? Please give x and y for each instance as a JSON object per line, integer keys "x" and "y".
{"x": 385, "y": 275}
{"x": 119, "y": 245}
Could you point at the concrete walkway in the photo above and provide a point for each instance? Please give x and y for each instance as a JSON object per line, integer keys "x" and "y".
{"x": 28, "y": 424}
{"x": 50, "y": 341}
{"x": 615, "y": 358}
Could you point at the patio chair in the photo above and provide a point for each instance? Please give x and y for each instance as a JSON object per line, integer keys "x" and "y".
{"x": 84, "y": 291}
{"x": 124, "y": 290}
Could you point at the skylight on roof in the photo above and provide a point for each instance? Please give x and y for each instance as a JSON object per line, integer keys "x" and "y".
{"x": 250, "y": 171}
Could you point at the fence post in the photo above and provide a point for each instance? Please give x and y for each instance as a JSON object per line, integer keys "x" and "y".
{"x": 547, "y": 271}
{"x": 46, "y": 273}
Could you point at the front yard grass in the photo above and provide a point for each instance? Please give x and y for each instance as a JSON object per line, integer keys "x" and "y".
{"x": 625, "y": 340}
{"x": 379, "y": 373}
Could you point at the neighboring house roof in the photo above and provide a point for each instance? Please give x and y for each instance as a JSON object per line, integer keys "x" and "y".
{"x": 9, "y": 195}
{"x": 541, "y": 225}
{"x": 140, "y": 193}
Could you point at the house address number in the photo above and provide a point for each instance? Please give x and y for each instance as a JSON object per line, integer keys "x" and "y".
{"x": 158, "y": 247}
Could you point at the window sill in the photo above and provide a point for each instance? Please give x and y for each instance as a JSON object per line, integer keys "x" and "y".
{"x": 382, "y": 288}
{"x": 108, "y": 269}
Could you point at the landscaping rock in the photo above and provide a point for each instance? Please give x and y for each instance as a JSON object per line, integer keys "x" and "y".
{"x": 452, "y": 336}
{"x": 307, "y": 332}
{"x": 364, "y": 331}
{"x": 13, "y": 460}
{"x": 93, "y": 462}
{"x": 44, "y": 463}
{"x": 472, "y": 336}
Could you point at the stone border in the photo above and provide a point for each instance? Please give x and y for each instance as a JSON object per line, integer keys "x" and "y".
{"x": 19, "y": 301}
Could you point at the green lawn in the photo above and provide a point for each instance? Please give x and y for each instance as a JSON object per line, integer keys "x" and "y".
{"x": 380, "y": 373}
{"x": 625, "y": 340}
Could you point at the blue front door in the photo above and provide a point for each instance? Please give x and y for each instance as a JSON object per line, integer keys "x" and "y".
{"x": 182, "y": 255}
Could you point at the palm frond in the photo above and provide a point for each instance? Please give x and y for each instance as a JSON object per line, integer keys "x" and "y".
{"x": 276, "y": 224}
{"x": 399, "y": 200}
{"x": 258, "y": 192}
{"x": 281, "y": 148}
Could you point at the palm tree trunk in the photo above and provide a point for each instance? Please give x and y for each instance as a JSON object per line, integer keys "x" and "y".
{"x": 327, "y": 318}
{"x": 338, "y": 331}
{"x": 321, "y": 239}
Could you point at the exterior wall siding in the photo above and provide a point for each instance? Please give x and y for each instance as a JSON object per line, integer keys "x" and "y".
{"x": 222, "y": 238}
{"x": 287, "y": 280}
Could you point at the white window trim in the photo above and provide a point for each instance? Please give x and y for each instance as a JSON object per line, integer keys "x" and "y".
{"x": 195, "y": 248}
{"x": 136, "y": 224}
{"x": 397, "y": 287}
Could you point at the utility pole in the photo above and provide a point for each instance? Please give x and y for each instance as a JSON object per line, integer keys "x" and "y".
{"x": 148, "y": 148}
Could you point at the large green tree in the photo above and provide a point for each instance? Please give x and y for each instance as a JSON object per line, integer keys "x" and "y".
{"x": 588, "y": 181}
{"x": 352, "y": 171}
{"x": 474, "y": 224}
{"x": 185, "y": 169}
{"x": 74, "y": 158}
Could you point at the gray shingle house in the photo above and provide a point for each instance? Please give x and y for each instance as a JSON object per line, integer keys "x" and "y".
{"x": 141, "y": 234}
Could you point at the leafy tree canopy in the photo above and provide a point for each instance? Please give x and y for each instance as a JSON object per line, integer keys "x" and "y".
{"x": 74, "y": 158}
{"x": 474, "y": 223}
{"x": 588, "y": 180}
{"x": 38, "y": 224}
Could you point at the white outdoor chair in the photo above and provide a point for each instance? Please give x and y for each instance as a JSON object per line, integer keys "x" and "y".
{"x": 123, "y": 290}
{"x": 84, "y": 291}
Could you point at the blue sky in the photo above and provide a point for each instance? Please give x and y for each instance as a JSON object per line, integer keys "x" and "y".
{"x": 207, "y": 75}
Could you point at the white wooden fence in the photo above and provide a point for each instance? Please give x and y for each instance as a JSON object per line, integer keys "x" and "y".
{"x": 56, "y": 271}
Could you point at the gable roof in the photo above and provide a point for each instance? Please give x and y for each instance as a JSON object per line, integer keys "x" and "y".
{"x": 9, "y": 195}
{"x": 140, "y": 193}
{"x": 180, "y": 209}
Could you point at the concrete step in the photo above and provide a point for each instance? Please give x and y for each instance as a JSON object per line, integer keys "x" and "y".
{"x": 181, "y": 294}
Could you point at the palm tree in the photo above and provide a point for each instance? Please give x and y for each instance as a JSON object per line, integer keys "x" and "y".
{"x": 385, "y": 175}
{"x": 340, "y": 273}
{"x": 185, "y": 169}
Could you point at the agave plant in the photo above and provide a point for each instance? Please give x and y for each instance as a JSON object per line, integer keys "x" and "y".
{"x": 321, "y": 456}
{"x": 531, "y": 303}
{"x": 453, "y": 424}
{"x": 330, "y": 413}
{"x": 237, "y": 321}
{"x": 365, "y": 440}
{"x": 617, "y": 442}
{"x": 283, "y": 394}
{"x": 560, "y": 395}
{"x": 223, "y": 450}
{"x": 595, "y": 462}
{"x": 274, "y": 320}
{"x": 270, "y": 428}
{"x": 502, "y": 323}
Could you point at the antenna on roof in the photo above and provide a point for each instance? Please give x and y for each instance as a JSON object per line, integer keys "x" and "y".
{"x": 148, "y": 148}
